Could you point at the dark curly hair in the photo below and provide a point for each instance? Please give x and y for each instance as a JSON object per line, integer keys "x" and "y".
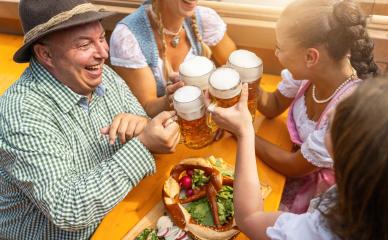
{"x": 339, "y": 25}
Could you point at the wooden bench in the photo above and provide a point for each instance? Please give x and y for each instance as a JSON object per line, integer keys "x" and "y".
{"x": 9, "y": 70}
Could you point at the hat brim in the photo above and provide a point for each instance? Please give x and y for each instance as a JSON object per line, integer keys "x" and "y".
{"x": 23, "y": 54}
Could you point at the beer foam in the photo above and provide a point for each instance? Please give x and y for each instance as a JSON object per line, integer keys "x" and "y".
{"x": 189, "y": 103}
{"x": 196, "y": 66}
{"x": 247, "y": 64}
{"x": 224, "y": 78}
{"x": 245, "y": 59}
{"x": 187, "y": 94}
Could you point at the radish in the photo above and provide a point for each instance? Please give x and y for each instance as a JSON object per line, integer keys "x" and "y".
{"x": 163, "y": 232}
{"x": 185, "y": 182}
{"x": 189, "y": 192}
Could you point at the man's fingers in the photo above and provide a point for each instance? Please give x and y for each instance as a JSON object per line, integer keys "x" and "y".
{"x": 105, "y": 130}
{"x": 113, "y": 130}
{"x": 162, "y": 117}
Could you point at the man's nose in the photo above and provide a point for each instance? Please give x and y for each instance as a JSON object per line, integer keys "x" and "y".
{"x": 102, "y": 50}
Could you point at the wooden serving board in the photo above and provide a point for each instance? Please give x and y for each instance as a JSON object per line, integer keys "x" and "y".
{"x": 151, "y": 218}
{"x": 148, "y": 221}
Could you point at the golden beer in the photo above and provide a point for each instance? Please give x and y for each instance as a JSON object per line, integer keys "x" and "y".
{"x": 196, "y": 71}
{"x": 224, "y": 88}
{"x": 196, "y": 133}
{"x": 253, "y": 91}
{"x": 225, "y": 103}
{"x": 250, "y": 68}
{"x": 189, "y": 104}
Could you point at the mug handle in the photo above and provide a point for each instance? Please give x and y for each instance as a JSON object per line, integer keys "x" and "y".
{"x": 209, "y": 121}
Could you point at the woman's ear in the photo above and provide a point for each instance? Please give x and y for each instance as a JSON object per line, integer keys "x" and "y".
{"x": 42, "y": 54}
{"x": 311, "y": 57}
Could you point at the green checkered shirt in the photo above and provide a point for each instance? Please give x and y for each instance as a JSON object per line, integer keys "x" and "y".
{"x": 58, "y": 177}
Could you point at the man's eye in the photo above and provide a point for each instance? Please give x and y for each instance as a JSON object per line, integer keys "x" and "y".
{"x": 84, "y": 45}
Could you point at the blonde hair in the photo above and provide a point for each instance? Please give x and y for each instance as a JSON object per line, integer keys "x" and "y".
{"x": 167, "y": 68}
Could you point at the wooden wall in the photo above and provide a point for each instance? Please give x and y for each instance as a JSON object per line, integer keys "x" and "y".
{"x": 250, "y": 26}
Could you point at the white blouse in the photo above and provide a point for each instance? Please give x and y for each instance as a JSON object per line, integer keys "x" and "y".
{"x": 126, "y": 52}
{"x": 292, "y": 226}
{"x": 313, "y": 148}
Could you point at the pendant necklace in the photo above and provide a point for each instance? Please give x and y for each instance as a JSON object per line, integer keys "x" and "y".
{"x": 176, "y": 36}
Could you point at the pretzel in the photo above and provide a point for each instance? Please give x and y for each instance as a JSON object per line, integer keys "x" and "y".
{"x": 182, "y": 217}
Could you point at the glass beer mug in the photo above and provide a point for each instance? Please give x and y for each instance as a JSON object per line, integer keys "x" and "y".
{"x": 190, "y": 107}
{"x": 250, "y": 68}
{"x": 196, "y": 71}
{"x": 224, "y": 89}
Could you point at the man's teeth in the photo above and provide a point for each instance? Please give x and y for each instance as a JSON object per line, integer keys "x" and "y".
{"x": 94, "y": 67}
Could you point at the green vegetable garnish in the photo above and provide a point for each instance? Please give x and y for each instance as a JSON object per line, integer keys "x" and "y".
{"x": 201, "y": 212}
{"x": 147, "y": 234}
{"x": 199, "y": 179}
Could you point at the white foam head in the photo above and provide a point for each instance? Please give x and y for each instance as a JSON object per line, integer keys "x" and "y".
{"x": 188, "y": 102}
{"x": 196, "y": 66}
{"x": 196, "y": 71}
{"x": 249, "y": 66}
{"x": 225, "y": 83}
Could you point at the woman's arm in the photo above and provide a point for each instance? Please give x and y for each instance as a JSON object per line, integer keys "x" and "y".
{"x": 222, "y": 50}
{"x": 249, "y": 213}
{"x": 143, "y": 85}
{"x": 272, "y": 104}
{"x": 291, "y": 164}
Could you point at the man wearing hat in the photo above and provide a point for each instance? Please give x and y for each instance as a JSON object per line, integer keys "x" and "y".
{"x": 58, "y": 175}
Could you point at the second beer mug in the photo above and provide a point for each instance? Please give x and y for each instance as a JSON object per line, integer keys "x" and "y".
{"x": 224, "y": 88}
{"x": 250, "y": 68}
{"x": 196, "y": 71}
{"x": 189, "y": 105}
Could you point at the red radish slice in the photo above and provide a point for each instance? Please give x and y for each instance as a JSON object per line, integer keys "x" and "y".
{"x": 163, "y": 233}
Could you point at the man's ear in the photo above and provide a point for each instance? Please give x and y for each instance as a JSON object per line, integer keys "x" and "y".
{"x": 43, "y": 54}
{"x": 311, "y": 57}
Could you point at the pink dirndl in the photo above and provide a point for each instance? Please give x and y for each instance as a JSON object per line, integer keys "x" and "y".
{"x": 299, "y": 191}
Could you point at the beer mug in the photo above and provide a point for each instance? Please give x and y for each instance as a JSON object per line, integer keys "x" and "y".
{"x": 224, "y": 89}
{"x": 250, "y": 68}
{"x": 190, "y": 107}
{"x": 196, "y": 71}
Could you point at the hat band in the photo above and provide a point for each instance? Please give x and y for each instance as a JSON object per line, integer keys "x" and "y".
{"x": 59, "y": 18}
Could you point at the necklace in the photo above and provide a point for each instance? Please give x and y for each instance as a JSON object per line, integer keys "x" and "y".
{"x": 353, "y": 76}
{"x": 176, "y": 37}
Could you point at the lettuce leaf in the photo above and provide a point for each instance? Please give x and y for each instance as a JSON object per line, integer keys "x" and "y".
{"x": 201, "y": 212}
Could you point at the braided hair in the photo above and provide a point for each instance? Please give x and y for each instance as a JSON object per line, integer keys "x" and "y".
{"x": 206, "y": 51}
{"x": 338, "y": 25}
{"x": 167, "y": 68}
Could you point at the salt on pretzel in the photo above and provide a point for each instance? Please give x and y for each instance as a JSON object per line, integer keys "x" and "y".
{"x": 182, "y": 217}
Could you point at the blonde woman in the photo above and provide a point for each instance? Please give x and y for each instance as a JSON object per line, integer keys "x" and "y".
{"x": 148, "y": 46}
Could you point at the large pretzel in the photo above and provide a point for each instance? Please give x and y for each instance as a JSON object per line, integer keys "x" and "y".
{"x": 182, "y": 217}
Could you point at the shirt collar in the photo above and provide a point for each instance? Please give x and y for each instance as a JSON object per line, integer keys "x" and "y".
{"x": 62, "y": 95}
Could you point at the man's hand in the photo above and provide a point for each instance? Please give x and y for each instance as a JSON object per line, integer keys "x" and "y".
{"x": 126, "y": 126}
{"x": 161, "y": 134}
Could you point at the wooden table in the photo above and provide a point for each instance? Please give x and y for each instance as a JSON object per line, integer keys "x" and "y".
{"x": 143, "y": 197}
